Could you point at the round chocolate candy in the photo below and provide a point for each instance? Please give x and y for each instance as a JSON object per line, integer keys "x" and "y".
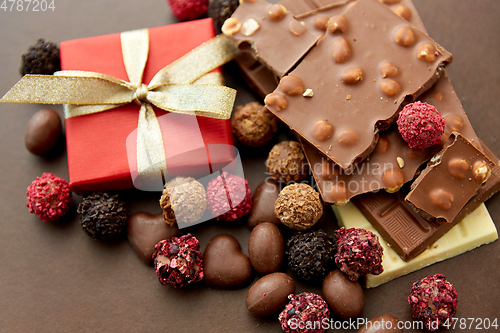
{"x": 269, "y": 294}
{"x": 266, "y": 248}
{"x": 183, "y": 200}
{"x": 345, "y": 297}
{"x": 298, "y": 206}
{"x": 385, "y": 323}
{"x": 286, "y": 162}
{"x": 42, "y": 132}
{"x": 253, "y": 125}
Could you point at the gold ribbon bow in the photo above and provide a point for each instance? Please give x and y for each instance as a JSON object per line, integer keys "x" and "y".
{"x": 170, "y": 89}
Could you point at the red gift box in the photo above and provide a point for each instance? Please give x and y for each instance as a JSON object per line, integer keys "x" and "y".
{"x": 97, "y": 143}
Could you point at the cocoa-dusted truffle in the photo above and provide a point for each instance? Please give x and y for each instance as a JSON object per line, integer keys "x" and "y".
{"x": 49, "y": 197}
{"x": 221, "y": 10}
{"x": 286, "y": 162}
{"x": 183, "y": 200}
{"x": 103, "y": 216}
{"x": 421, "y": 125}
{"x": 229, "y": 197}
{"x": 42, "y": 58}
{"x": 298, "y": 206}
{"x": 358, "y": 253}
{"x": 178, "y": 261}
{"x": 311, "y": 255}
{"x": 253, "y": 125}
{"x": 306, "y": 309}
{"x": 433, "y": 300}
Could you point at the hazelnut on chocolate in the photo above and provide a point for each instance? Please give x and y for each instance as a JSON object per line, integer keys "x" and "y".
{"x": 253, "y": 125}
{"x": 183, "y": 200}
{"x": 286, "y": 162}
{"x": 298, "y": 206}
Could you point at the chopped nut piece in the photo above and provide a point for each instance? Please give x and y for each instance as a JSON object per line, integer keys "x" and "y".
{"x": 308, "y": 93}
{"x": 401, "y": 162}
{"x": 231, "y": 26}
{"x": 250, "y": 27}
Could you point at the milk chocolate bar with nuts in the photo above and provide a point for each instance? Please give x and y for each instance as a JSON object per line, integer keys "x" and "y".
{"x": 407, "y": 232}
{"x": 392, "y": 163}
{"x": 354, "y": 82}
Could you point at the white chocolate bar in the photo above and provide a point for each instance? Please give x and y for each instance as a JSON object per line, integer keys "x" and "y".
{"x": 473, "y": 231}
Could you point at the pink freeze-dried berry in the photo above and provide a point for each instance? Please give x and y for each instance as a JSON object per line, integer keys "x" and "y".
{"x": 358, "y": 253}
{"x": 304, "y": 313}
{"x": 229, "y": 197}
{"x": 178, "y": 261}
{"x": 188, "y": 9}
{"x": 433, "y": 300}
{"x": 421, "y": 125}
{"x": 49, "y": 197}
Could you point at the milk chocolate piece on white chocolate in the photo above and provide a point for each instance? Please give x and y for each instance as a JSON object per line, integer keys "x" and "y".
{"x": 475, "y": 230}
{"x": 450, "y": 180}
{"x": 358, "y": 111}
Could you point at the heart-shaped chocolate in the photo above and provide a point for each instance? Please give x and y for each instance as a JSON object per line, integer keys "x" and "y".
{"x": 224, "y": 265}
{"x": 145, "y": 230}
{"x": 264, "y": 198}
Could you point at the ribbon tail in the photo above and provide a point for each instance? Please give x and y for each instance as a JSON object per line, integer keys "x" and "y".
{"x": 201, "y": 100}
{"x": 151, "y": 160}
{"x": 78, "y": 90}
{"x": 201, "y": 60}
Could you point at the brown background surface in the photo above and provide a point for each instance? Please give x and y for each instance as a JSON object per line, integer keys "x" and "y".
{"x": 54, "y": 278}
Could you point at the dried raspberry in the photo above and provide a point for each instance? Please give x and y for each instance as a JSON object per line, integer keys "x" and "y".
{"x": 178, "y": 262}
{"x": 229, "y": 197}
{"x": 420, "y": 125}
{"x": 434, "y": 301}
{"x": 188, "y": 9}
{"x": 42, "y": 58}
{"x": 358, "y": 253}
{"x": 49, "y": 197}
{"x": 304, "y": 313}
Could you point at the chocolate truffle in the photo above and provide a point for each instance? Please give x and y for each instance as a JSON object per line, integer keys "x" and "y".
{"x": 183, "y": 200}
{"x": 229, "y": 197}
{"x": 178, "y": 262}
{"x": 311, "y": 255}
{"x": 42, "y": 58}
{"x": 221, "y": 10}
{"x": 298, "y": 206}
{"x": 306, "y": 308}
{"x": 103, "y": 216}
{"x": 286, "y": 162}
{"x": 358, "y": 253}
{"x": 253, "y": 125}
{"x": 49, "y": 197}
{"x": 421, "y": 125}
{"x": 433, "y": 300}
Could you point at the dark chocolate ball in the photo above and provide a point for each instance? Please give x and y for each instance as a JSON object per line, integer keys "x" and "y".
{"x": 103, "y": 216}
{"x": 221, "y": 10}
{"x": 42, "y": 58}
{"x": 311, "y": 255}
